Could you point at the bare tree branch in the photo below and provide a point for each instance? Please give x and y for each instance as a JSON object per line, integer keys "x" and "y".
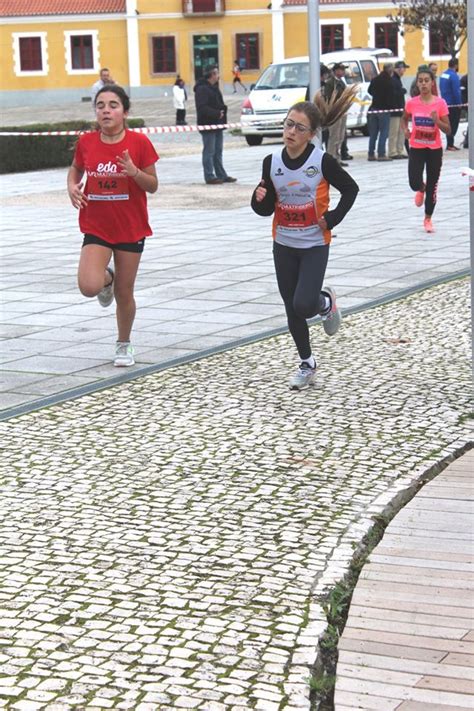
{"x": 446, "y": 18}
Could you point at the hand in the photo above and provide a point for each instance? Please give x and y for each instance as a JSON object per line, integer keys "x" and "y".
{"x": 260, "y": 192}
{"x": 76, "y": 196}
{"x": 434, "y": 116}
{"x": 322, "y": 223}
{"x": 407, "y": 134}
{"x": 127, "y": 164}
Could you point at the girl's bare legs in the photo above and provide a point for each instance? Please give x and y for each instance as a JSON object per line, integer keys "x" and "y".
{"x": 92, "y": 275}
{"x": 126, "y": 267}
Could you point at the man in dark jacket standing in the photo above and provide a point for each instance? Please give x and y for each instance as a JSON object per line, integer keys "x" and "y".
{"x": 396, "y": 136}
{"x": 381, "y": 91}
{"x": 210, "y": 109}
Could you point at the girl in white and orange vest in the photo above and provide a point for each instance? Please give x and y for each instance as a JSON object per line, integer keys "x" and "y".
{"x": 295, "y": 189}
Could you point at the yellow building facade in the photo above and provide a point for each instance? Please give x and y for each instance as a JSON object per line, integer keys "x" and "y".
{"x": 145, "y": 43}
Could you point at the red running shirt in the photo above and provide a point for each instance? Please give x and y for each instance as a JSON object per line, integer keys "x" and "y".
{"x": 117, "y": 208}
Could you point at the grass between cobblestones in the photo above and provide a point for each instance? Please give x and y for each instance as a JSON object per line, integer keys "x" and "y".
{"x": 336, "y": 606}
{"x": 164, "y": 538}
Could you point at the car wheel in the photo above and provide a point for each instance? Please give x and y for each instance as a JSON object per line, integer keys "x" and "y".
{"x": 365, "y": 130}
{"x": 254, "y": 140}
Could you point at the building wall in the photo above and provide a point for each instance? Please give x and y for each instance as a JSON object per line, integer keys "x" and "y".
{"x": 112, "y": 49}
{"x": 111, "y": 40}
{"x": 412, "y": 47}
{"x": 225, "y": 28}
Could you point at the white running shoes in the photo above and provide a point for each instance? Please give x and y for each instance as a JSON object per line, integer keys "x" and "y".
{"x": 124, "y": 355}
{"x": 303, "y": 377}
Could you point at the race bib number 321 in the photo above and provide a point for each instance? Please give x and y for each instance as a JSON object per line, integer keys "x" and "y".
{"x": 107, "y": 186}
{"x": 296, "y": 215}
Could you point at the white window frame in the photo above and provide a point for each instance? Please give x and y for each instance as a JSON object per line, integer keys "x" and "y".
{"x": 337, "y": 21}
{"x": 95, "y": 51}
{"x": 426, "y": 50}
{"x": 401, "y": 39}
{"x": 16, "y": 36}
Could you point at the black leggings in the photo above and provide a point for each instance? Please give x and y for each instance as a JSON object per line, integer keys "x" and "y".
{"x": 433, "y": 159}
{"x": 300, "y": 275}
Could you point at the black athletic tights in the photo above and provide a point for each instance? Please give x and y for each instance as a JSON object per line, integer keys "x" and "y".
{"x": 432, "y": 158}
{"x": 300, "y": 275}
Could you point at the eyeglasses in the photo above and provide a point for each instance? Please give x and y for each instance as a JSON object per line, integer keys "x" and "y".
{"x": 289, "y": 123}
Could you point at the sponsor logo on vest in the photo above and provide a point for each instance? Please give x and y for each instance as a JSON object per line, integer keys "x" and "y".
{"x": 107, "y": 167}
{"x": 279, "y": 172}
{"x": 311, "y": 171}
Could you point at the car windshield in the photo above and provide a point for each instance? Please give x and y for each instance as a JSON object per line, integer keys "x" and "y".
{"x": 284, "y": 76}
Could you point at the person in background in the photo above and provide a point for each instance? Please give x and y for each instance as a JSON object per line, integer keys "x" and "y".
{"x": 396, "y": 135}
{"x": 179, "y": 101}
{"x": 433, "y": 68}
{"x": 210, "y": 109}
{"x": 378, "y": 115}
{"x": 450, "y": 90}
{"x": 429, "y": 116}
{"x": 236, "y": 70}
{"x": 105, "y": 77}
{"x": 324, "y": 74}
{"x": 464, "y": 96}
{"x": 333, "y": 89}
{"x": 345, "y": 155}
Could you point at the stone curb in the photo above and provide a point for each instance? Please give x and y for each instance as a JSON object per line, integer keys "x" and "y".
{"x": 150, "y": 369}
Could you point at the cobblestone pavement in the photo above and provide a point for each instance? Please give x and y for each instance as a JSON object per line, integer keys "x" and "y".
{"x": 207, "y": 278}
{"x": 165, "y": 542}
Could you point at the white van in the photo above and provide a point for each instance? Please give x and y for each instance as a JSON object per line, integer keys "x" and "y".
{"x": 283, "y": 84}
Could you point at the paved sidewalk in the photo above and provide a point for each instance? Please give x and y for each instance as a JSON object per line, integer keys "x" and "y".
{"x": 165, "y": 543}
{"x": 207, "y": 279}
{"x": 408, "y": 644}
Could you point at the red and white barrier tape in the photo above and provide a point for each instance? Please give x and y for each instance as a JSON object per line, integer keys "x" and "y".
{"x": 392, "y": 111}
{"x": 180, "y": 129}
{"x": 145, "y": 129}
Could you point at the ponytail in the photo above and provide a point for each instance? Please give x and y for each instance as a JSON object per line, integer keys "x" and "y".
{"x": 334, "y": 108}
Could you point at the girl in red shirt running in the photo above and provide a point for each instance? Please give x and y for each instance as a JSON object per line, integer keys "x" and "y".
{"x": 428, "y": 115}
{"x": 119, "y": 166}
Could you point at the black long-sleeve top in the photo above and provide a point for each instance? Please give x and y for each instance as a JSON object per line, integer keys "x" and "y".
{"x": 209, "y": 103}
{"x": 381, "y": 91}
{"x": 332, "y": 172}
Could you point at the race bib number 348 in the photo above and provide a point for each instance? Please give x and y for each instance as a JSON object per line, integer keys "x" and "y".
{"x": 425, "y": 130}
{"x": 107, "y": 186}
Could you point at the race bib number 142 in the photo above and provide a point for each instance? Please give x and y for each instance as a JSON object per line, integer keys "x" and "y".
{"x": 107, "y": 186}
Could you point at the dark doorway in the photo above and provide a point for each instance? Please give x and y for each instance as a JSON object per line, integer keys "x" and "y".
{"x": 205, "y": 53}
